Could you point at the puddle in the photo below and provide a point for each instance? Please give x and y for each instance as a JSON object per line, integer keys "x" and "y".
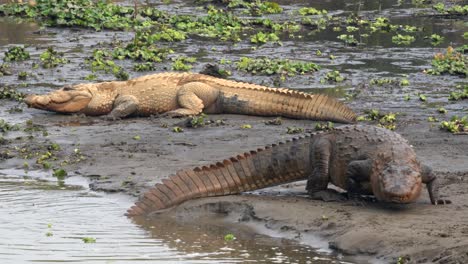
{"x": 46, "y": 221}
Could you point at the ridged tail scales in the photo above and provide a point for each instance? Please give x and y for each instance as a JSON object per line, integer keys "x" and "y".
{"x": 273, "y": 165}
{"x": 284, "y": 102}
{"x": 287, "y": 103}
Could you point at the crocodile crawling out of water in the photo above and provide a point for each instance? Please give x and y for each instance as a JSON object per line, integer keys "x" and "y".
{"x": 360, "y": 159}
{"x": 185, "y": 94}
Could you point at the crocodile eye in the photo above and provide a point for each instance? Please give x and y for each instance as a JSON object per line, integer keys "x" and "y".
{"x": 67, "y": 88}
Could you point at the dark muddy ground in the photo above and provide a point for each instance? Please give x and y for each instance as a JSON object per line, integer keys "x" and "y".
{"x": 107, "y": 153}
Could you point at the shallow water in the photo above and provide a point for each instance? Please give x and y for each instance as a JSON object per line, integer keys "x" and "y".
{"x": 45, "y": 221}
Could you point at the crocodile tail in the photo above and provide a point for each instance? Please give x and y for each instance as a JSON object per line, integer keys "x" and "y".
{"x": 260, "y": 100}
{"x": 269, "y": 166}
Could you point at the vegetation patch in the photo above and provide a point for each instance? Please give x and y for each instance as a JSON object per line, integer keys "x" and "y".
{"x": 183, "y": 63}
{"x": 17, "y": 53}
{"x": 384, "y": 120}
{"x": 79, "y": 13}
{"x": 452, "y": 62}
{"x": 333, "y": 76}
{"x": 101, "y": 61}
{"x": 403, "y": 39}
{"x": 348, "y": 39}
{"x": 324, "y": 126}
{"x": 5, "y": 69}
{"x": 51, "y": 58}
{"x": 6, "y": 127}
{"x": 460, "y": 94}
{"x": 275, "y": 66}
{"x": 294, "y": 130}
{"x": 455, "y": 125}
{"x": 458, "y": 10}
{"x": 11, "y": 94}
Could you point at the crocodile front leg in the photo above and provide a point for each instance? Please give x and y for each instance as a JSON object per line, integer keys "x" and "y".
{"x": 318, "y": 180}
{"x": 432, "y": 185}
{"x": 124, "y": 105}
{"x": 193, "y": 98}
{"x": 358, "y": 177}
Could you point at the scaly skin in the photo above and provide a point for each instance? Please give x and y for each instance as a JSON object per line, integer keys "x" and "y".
{"x": 185, "y": 94}
{"x": 360, "y": 159}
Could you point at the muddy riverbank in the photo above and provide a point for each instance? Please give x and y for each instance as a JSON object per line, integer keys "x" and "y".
{"x": 133, "y": 154}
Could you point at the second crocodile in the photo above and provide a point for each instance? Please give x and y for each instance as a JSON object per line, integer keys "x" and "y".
{"x": 185, "y": 94}
{"x": 360, "y": 159}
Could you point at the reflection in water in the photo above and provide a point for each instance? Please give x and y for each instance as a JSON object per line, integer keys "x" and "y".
{"x": 17, "y": 31}
{"x": 43, "y": 221}
{"x": 207, "y": 235}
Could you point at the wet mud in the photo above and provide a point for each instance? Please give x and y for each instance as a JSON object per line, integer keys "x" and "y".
{"x": 133, "y": 154}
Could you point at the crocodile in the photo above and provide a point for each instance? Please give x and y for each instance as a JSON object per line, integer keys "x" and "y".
{"x": 186, "y": 94}
{"x": 361, "y": 159}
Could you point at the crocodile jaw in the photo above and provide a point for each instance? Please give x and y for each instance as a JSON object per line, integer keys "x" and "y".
{"x": 397, "y": 183}
{"x": 65, "y": 100}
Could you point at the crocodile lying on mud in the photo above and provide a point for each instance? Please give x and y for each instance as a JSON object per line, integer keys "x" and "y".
{"x": 360, "y": 159}
{"x": 184, "y": 94}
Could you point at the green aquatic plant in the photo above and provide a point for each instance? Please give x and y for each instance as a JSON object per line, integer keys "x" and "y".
{"x": 422, "y": 98}
{"x": 384, "y": 120}
{"x": 324, "y": 126}
{"x": 403, "y": 39}
{"x": 294, "y": 130}
{"x": 167, "y": 34}
{"x": 22, "y": 75}
{"x": 229, "y": 237}
{"x": 455, "y": 124}
{"x": 11, "y": 94}
{"x": 275, "y": 66}
{"x": 88, "y": 240}
{"x": 5, "y": 69}
{"x": 452, "y": 62}
{"x": 6, "y": 127}
{"x": 256, "y": 7}
{"x": 333, "y": 76}
{"x": 51, "y": 58}
{"x": 348, "y": 39}
{"x": 59, "y": 173}
{"x": 436, "y": 39}
{"x": 457, "y": 10}
{"x": 307, "y": 11}
{"x": 404, "y": 82}
{"x": 275, "y": 122}
{"x": 198, "y": 121}
{"x": 16, "y": 53}
{"x": 460, "y": 94}
{"x": 262, "y": 38}
{"x": 145, "y": 66}
{"x": 182, "y": 63}
{"x": 177, "y": 129}
{"x": 441, "y": 110}
{"x": 101, "y": 61}
{"x": 382, "y": 24}
{"x": 98, "y": 15}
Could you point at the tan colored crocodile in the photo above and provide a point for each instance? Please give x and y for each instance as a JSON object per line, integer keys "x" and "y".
{"x": 360, "y": 159}
{"x": 185, "y": 94}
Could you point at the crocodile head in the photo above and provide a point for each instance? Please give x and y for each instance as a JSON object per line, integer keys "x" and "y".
{"x": 69, "y": 99}
{"x": 397, "y": 182}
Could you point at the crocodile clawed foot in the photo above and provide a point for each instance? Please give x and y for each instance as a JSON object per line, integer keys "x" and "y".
{"x": 109, "y": 118}
{"x": 172, "y": 114}
{"x": 441, "y": 202}
{"x": 328, "y": 195}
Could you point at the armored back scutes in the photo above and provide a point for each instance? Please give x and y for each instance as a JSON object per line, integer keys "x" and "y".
{"x": 269, "y": 166}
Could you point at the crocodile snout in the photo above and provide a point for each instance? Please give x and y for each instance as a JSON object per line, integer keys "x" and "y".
{"x": 36, "y": 100}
